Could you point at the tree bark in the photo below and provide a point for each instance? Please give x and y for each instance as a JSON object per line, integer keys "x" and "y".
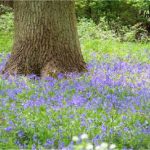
{"x": 46, "y": 40}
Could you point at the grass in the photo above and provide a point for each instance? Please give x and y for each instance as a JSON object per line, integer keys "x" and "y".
{"x": 120, "y": 49}
{"x": 140, "y": 52}
{"x": 5, "y": 42}
{"x": 110, "y": 103}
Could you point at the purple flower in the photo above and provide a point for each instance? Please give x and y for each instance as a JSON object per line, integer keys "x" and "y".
{"x": 71, "y": 116}
{"x": 78, "y": 100}
{"x": 49, "y": 143}
{"x": 20, "y": 134}
{"x": 146, "y": 130}
{"x": 35, "y": 138}
{"x": 9, "y": 128}
{"x": 126, "y": 129}
{"x": 124, "y": 117}
{"x": 49, "y": 126}
{"x": 33, "y": 147}
{"x": 104, "y": 128}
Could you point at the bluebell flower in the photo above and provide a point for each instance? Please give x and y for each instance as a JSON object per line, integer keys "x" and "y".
{"x": 20, "y": 133}
{"x": 104, "y": 128}
{"x": 9, "y": 128}
{"x": 33, "y": 147}
{"x": 49, "y": 143}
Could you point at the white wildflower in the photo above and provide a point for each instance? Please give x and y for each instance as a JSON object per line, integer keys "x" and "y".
{"x": 112, "y": 146}
{"x": 75, "y": 138}
{"x": 103, "y": 146}
{"x": 89, "y": 146}
{"x": 98, "y": 147}
{"x": 84, "y": 136}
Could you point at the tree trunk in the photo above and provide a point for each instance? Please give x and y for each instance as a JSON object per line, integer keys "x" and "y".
{"x": 46, "y": 40}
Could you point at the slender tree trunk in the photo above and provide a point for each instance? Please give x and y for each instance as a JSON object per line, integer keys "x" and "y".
{"x": 46, "y": 39}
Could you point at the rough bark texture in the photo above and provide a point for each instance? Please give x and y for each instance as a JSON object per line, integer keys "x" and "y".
{"x": 46, "y": 39}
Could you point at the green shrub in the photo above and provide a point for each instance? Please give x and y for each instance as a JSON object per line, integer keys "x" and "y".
{"x": 89, "y": 30}
{"x": 6, "y": 22}
{"x": 128, "y": 12}
{"x": 4, "y": 9}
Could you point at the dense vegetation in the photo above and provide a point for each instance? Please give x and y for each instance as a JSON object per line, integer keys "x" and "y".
{"x": 118, "y": 15}
{"x": 110, "y": 102}
{"x": 128, "y": 12}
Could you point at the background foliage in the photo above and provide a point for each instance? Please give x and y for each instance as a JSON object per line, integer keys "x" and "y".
{"x": 120, "y": 16}
{"x": 128, "y": 20}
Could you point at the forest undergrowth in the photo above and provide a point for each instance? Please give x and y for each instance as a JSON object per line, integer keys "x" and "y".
{"x": 110, "y": 103}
